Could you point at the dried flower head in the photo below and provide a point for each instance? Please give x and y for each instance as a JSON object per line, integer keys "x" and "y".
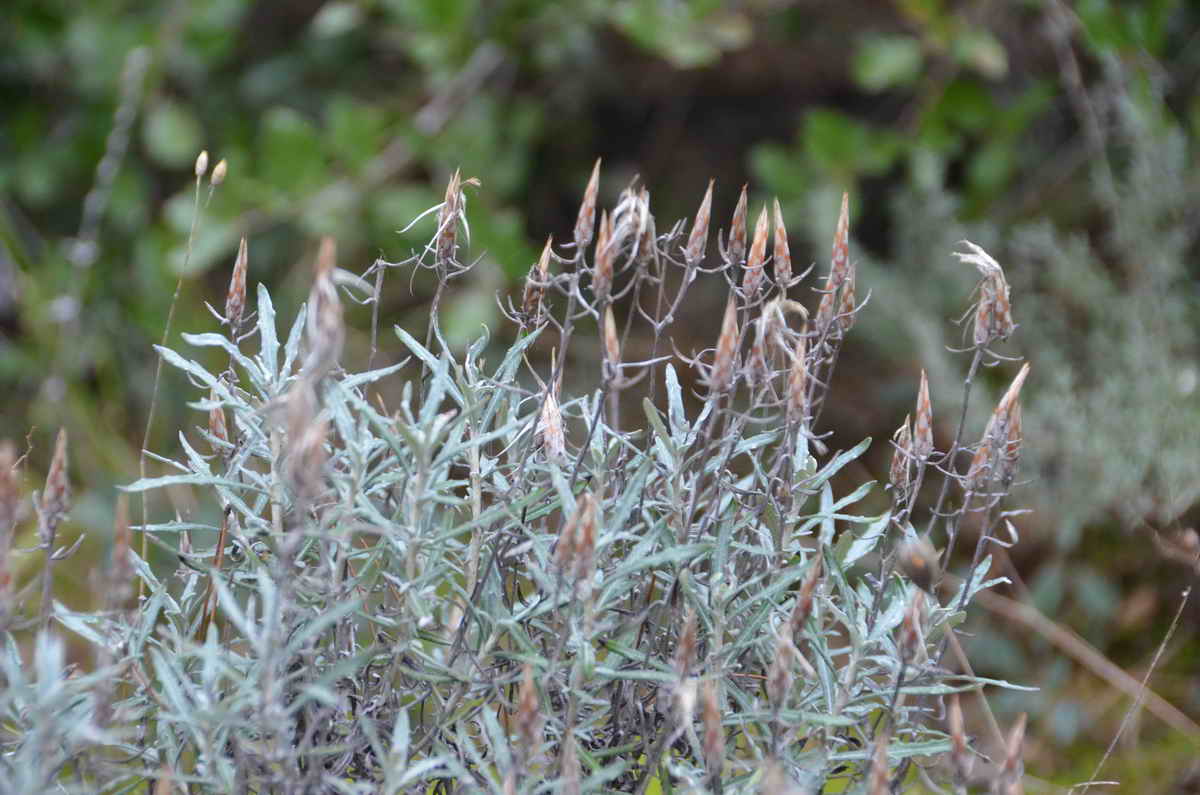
{"x": 923, "y": 428}
{"x": 217, "y": 427}
{"x": 782, "y": 257}
{"x": 447, "y": 231}
{"x": 551, "y": 425}
{"x": 585, "y": 541}
{"x": 846, "y": 312}
{"x": 993, "y": 314}
{"x": 685, "y": 650}
{"x": 900, "y": 475}
{"x": 697, "y": 243}
{"x": 752, "y": 277}
{"x": 735, "y": 252}
{"x": 535, "y": 287}
{"x": 605, "y": 259}
{"x": 585, "y": 223}
{"x": 56, "y": 498}
{"x": 529, "y": 716}
{"x": 839, "y": 265}
{"x": 804, "y": 598}
{"x": 306, "y": 463}
{"x": 911, "y": 636}
{"x": 996, "y": 436}
{"x": 797, "y": 386}
{"x": 235, "y": 299}
{"x": 721, "y": 377}
{"x": 612, "y": 344}
{"x": 324, "y": 327}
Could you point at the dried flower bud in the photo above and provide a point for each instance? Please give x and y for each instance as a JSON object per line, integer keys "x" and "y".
{"x": 217, "y": 426}
{"x": 218, "y": 173}
{"x": 923, "y": 428}
{"x": 10, "y": 492}
{"x": 551, "y": 425}
{"x": 1010, "y": 782}
{"x": 779, "y": 674}
{"x": 752, "y": 277}
{"x": 201, "y": 163}
{"x": 606, "y": 254}
{"x": 647, "y": 233}
{"x": 721, "y": 378}
{"x": 959, "y": 755}
{"x": 900, "y": 475}
{"x": 838, "y": 267}
{"x": 1010, "y": 454}
{"x": 918, "y": 561}
{"x": 735, "y": 252}
{"x": 235, "y": 299}
{"x": 585, "y": 223}
{"x": 797, "y": 388}
{"x": 612, "y": 344}
{"x": 877, "y": 781}
{"x": 910, "y": 632}
{"x": 306, "y": 464}
{"x": 685, "y": 651}
{"x": 585, "y": 541}
{"x": 804, "y": 599}
{"x": 714, "y": 737}
{"x": 447, "y": 231}
{"x": 535, "y": 286}
{"x": 783, "y": 255}
{"x": 997, "y": 435}
{"x": 324, "y": 327}
{"x": 698, "y": 239}
{"x": 56, "y": 499}
{"x": 993, "y": 315}
{"x": 529, "y": 717}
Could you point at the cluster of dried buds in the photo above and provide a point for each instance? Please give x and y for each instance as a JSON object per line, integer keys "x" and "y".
{"x": 913, "y": 444}
{"x": 837, "y": 299}
{"x": 993, "y": 313}
{"x": 325, "y": 330}
{"x": 56, "y": 498}
{"x": 995, "y": 459}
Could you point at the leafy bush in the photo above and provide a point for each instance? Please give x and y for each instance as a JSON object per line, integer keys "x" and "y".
{"x": 491, "y": 585}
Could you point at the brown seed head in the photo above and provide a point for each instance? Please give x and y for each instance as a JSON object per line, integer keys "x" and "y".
{"x": 698, "y": 239}
{"x": 447, "y": 232}
{"x": 605, "y": 259}
{"x": 714, "y": 737}
{"x": 736, "y": 250}
{"x": 218, "y": 173}
{"x": 585, "y": 223}
{"x": 56, "y": 498}
{"x": 783, "y": 255}
{"x": 235, "y": 298}
{"x": 923, "y": 430}
{"x": 721, "y": 378}
{"x": 752, "y": 277}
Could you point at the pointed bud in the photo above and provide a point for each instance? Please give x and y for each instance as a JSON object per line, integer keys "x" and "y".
{"x": 685, "y": 651}
{"x": 218, "y": 174}
{"x": 721, "y": 377}
{"x": 324, "y": 328}
{"x": 612, "y": 345}
{"x": 235, "y": 298}
{"x": 56, "y": 498}
{"x": 993, "y": 314}
{"x": 736, "y": 250}
{"x": 911, "y": 637}
{"x": 585, "y": 542}
{"x": 996, "y": 435}
{"x": 585, "y": 223}
{"x": 553, "y": 440}
{"x": 201, "y": 163}
{"x": 838, "y": 266}
{"x": 782, "y": 257}
{"x": 846, "y": 307}
{"x": 217, "y": 426}
{"x": 447, "y": 232}
{"x": 698, "y": 240}
{"x": 923, "y": 430}
{"x": 752, "y": 277}
{"x": 605, "y": 258}
{"x": 1011, "y": 453}
{"x": 535, "y": 287}
{"x": 804, "y": 599}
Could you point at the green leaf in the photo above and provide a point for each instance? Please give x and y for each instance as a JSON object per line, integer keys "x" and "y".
{"x": 887, "y": 61}
{"x": 172, "y": 135}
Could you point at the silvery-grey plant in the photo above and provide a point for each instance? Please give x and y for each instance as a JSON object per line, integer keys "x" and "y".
{"x": 494, "y": 585}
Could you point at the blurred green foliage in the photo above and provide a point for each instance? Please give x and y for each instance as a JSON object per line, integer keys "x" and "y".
{"x": 1061, "y": 136}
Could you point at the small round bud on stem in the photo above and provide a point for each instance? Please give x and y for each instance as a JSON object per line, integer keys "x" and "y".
{"x": 218, "y": 174}
{"x": 201, "y": 163}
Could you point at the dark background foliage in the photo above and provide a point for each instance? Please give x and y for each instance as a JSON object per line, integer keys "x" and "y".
{"x": 1061, "y": 136}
